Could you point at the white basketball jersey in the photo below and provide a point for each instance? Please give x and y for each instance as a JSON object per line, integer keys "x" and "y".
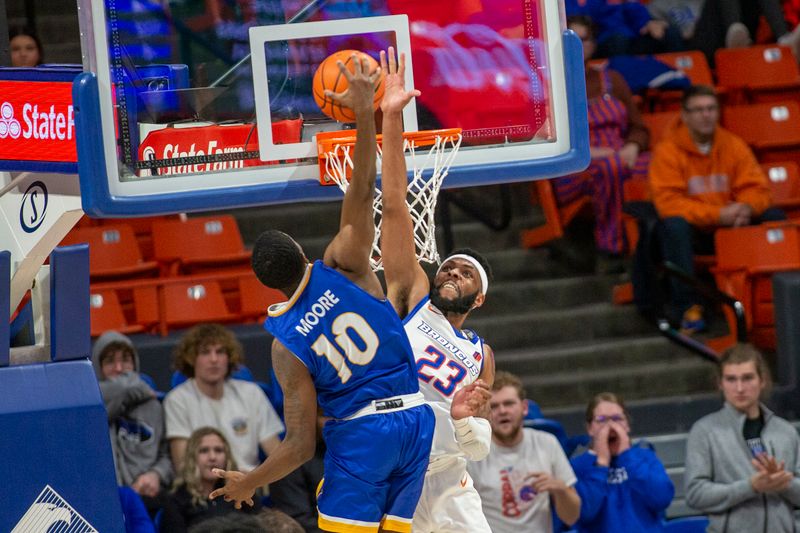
{"x": 447, "y": 360}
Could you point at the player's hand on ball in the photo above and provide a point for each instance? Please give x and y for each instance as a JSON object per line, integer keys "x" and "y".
{"x": 361, "y": 85}
{"x": 470, "y": 400}
{"x": 395, "y": 96}
{"x": 235, "y": 490}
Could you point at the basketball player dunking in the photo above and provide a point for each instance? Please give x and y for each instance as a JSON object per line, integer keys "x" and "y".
{"x": 448, "y": 358}
{"x": 339, "y": 342}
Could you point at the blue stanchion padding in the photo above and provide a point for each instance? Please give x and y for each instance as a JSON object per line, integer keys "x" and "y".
{"x": 5, "y": 304}
{"x": 70, "y": 334}
{"x": 55, "y": 443}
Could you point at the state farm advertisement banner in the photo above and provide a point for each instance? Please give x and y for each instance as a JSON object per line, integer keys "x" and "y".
{"x": 184, "y": 149}
{"x": 37, "y": 121}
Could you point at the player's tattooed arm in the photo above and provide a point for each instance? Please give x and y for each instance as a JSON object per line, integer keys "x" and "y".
{"x": 300, "y": 414}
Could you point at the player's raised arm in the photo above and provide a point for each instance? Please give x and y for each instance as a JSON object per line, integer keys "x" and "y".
{"x": 300, "y": 414}
{"x": 350, "y": 249}
{"x": 406, "y": 282}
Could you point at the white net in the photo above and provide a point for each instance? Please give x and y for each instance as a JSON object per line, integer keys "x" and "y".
{"x": 430, "y": 164}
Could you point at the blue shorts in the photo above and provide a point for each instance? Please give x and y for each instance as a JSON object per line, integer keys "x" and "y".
{"x": 374, "y": 470}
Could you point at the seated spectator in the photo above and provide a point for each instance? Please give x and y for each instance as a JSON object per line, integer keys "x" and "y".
{"x": 626, "y": 28}
{"x": 623, "y": 488}
{"x": 231, "y": 523}
{"x": 296, "y": 494}
{"x": 742, "y": 461}
{"x": 25, "y": 48}
{"x": 618, "y": 142}
{"x": 733, "y": 23}
{"x": 682, "y": 14}
{"x": 135, "y": 419}
{"x": 703, "y": 177}
{"x": 526, "y": 470}
{"x": 207, "y": 355}
{"x": 188, "y": 504}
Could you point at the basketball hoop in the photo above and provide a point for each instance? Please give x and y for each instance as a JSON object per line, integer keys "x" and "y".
{"x": 430, "y": 154}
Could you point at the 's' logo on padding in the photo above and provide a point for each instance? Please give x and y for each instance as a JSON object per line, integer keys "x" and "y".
{"x": 33, "y": 207}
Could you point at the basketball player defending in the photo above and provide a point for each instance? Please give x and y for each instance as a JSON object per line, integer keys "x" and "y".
{"x": 339, "y": 342}
{"x": 448, "y": 358}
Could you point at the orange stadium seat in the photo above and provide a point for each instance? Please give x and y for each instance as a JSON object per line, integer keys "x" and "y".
{"x": 106, "y": 314}
{"x": 199, "y": 244}
{"x": 747, "y": 257}
{"x": 255, "y": 298}
{"x": 556, "y": 217}
{"x": 142, "y": 228}
{"x": 771, "y": 129}
{"x": 784, "y": 181}
{"x": 658, "y": 123}
{"x": 113, "y": 252}
{"x": 693, "y": 63}
{"x": 763, "y": 73}
{"x": 188, "y": 302}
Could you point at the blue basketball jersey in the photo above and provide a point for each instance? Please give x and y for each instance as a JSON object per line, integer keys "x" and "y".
{"x": 352, "y": 343}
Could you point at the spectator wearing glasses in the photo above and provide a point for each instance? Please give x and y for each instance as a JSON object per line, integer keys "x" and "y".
{"x": 703, "y": 177}
{"x": 623, "y": 488}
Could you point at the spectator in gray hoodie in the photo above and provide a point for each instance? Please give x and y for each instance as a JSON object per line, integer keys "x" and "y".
{"x": 742, "y": 462}
{"x": 135, "y": 420}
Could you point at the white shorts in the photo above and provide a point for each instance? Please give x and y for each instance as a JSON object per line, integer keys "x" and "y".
{"x": 449, "y": 503}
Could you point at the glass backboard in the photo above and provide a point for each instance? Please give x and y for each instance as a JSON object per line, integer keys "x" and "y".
{"x": 192, "y": 105}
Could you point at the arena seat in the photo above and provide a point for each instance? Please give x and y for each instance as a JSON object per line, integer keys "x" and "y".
{"x": 188, "y": 302}
{"x": 113, "y": 252}
{"x": 142, "y": 229}
{"x": 106, "y": 314}
{"x": 556, "y": 217}
{"x": 747, "y": 257}
{"x": 784, "y": 182}
{"x": 689, "y": 524}
{"x": 199, "y": 244}
{"x": 771, "y": 129}
{"x": 762, "y": 73}
{"x": 255, "y": 298}
{"x": 658, "y": 123}
{"x": 693, "y": 63}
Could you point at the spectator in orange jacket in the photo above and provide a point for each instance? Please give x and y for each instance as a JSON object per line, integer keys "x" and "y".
{"x": 703, "y": 177}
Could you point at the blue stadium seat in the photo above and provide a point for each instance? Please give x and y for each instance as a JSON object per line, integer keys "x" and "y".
{"x": 149, "y": 380}
{"x": 689, "y": 524}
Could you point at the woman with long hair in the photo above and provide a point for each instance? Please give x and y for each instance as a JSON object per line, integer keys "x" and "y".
{"x": 188, "y": 504}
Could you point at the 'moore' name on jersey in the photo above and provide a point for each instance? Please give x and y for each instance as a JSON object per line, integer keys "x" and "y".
{"x": 319, "y": 309}
{"x": 469, "y": 362}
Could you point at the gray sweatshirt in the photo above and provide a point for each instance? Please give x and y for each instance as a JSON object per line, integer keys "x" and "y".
{"x": 135, "y": 419}
{"x": 718, "y": 472}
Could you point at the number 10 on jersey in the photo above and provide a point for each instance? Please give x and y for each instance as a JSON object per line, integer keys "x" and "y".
{"x": 346, "y": 348}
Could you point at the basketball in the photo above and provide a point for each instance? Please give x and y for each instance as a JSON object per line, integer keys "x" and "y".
{"x": 329, "y": 77}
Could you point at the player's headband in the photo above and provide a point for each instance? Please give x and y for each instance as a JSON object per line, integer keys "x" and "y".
{"x": 472, "y": 261}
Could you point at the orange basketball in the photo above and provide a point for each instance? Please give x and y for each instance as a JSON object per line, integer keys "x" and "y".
{"x": 328, "y": 76}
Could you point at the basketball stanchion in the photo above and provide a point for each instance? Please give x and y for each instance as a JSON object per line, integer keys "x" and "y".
{"x": 429, "y": 153}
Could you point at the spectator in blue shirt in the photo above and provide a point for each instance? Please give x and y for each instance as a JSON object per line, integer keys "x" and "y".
{"x": 623, "y": 488}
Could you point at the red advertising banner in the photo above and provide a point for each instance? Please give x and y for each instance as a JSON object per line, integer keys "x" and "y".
{"x": 182, "y": 150}
{"x": 37, "y": 121}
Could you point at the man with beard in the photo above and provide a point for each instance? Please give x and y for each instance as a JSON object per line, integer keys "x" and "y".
{"x": 526, "y": 472}
{"x": 448, "y": 357}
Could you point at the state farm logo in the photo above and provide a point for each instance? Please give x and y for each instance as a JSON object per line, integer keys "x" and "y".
{"x": 9, "y": 126}
{"x": 48, "y": 124}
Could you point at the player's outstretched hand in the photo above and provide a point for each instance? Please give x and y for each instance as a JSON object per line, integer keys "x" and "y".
{"x": 395, "y": 96}
{"x": 470, "y": 400}
{"x": 234, "y": 490}
{"x": 360, "y": 91}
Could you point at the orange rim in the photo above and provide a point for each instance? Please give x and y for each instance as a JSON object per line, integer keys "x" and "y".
{"x": 328, "y": 139}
